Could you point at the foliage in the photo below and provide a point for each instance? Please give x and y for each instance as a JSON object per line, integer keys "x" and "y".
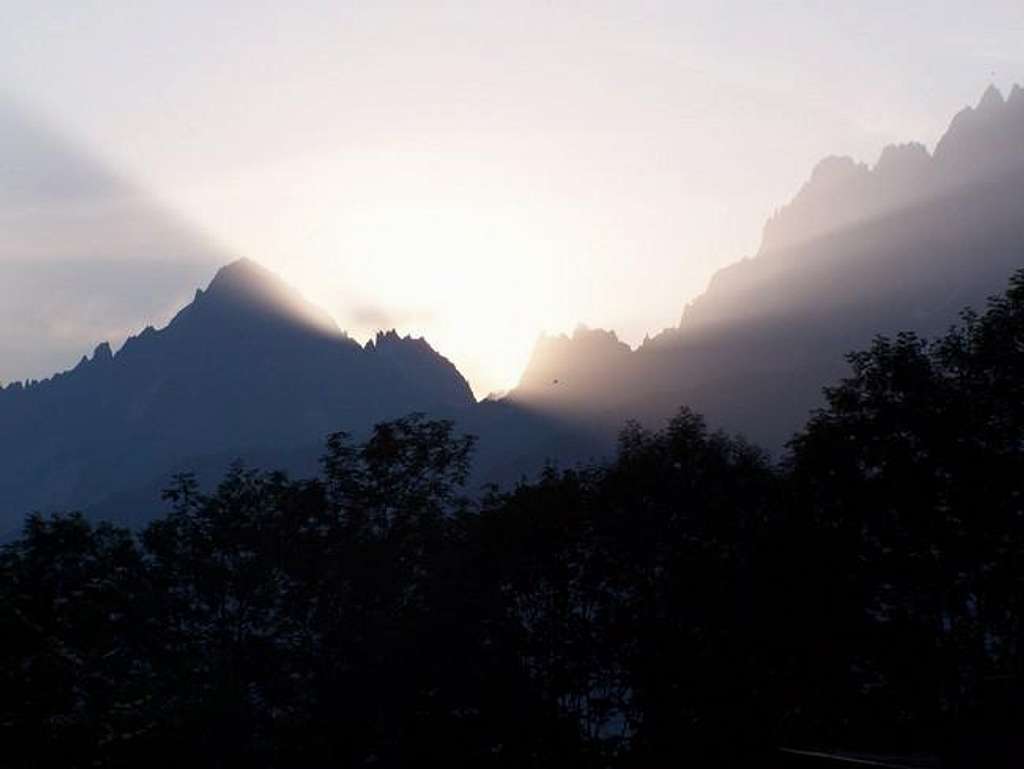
{"x": 689, "y": 602}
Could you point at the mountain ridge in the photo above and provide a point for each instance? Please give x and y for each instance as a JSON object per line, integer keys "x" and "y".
{"x": 860, "y": 249}
{"x": 249, "y": 369}
{"x": 242, "y": 369}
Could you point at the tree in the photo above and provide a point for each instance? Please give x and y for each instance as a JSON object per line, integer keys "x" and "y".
{"x": 911, "y": 483}
{"x": 73, "y": 604}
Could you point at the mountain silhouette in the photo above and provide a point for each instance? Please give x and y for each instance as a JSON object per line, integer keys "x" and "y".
{"x": 248, "y": 369}
{"x": 859, "y": 251}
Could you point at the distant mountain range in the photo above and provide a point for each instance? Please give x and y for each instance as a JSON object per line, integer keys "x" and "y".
{"x": 249, "y": 369}
{"x": 903, "y": 245}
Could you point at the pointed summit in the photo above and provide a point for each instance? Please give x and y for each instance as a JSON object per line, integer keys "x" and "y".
{"x": 991, "y": 99}
{"x": 903, "y": 159}
{"x": 102, "y": 353}
{"x": 836, "y": 170}
{"x": 984, "y": 140}
{"x": 245, "y": 289}
{"x": 245, "y": 277}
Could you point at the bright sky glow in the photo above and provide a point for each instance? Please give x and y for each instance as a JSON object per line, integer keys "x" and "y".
{"x": 479, "y": 173}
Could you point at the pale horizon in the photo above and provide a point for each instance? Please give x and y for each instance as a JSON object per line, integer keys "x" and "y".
{"x": 478, "y": 176}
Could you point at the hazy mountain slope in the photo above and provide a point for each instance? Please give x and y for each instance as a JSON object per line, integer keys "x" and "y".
{"x": 247, "y": 369}
{"x": 859, "y": 251}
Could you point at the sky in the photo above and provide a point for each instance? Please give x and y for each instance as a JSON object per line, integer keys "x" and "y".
{"x": 475, "y": 173}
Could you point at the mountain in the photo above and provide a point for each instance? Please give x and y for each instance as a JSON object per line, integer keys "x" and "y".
{"x": 860, "y": 250}
{"x": 248, "y": 369}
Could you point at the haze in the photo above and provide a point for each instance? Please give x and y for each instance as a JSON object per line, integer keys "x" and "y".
{"x": 475, "y": 174}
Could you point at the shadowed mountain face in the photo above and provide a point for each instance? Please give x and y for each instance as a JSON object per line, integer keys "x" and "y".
{"x": 248, "y": 369}
{"x": 859, "y": 251}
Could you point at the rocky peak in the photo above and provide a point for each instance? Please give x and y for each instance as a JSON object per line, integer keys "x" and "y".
{"x": 562, "y": 364}
{"x": 982, "y": 142}
{"x": 991, "y": 100}
{"x": 245, "y": 279}
{"x": 384, "y": 339}
{"x": 985, "y": 140}
{"x": 244, "y": 292}
{"x": 900, "y": 160}
{"x": 829, "y": 200}
{"x": 240, "y": 272}
{"x": 835, "y": 171}
{"x": 102, "y": 353}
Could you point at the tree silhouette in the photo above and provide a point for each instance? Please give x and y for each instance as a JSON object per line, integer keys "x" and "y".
{"x": 687, "y": 602}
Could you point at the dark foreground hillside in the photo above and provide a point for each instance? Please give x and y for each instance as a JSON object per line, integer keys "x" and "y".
{"x": 688, "y": 604}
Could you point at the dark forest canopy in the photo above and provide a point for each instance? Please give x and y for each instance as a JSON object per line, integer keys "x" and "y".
{"x": 688, "y": 602}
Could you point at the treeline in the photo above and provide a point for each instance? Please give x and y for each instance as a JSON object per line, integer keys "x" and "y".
{"x": 689, "y": 603}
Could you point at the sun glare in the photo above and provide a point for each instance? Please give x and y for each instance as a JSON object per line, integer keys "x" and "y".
{"x": 431, "y": 246}
{"x": 476, "y": 281}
